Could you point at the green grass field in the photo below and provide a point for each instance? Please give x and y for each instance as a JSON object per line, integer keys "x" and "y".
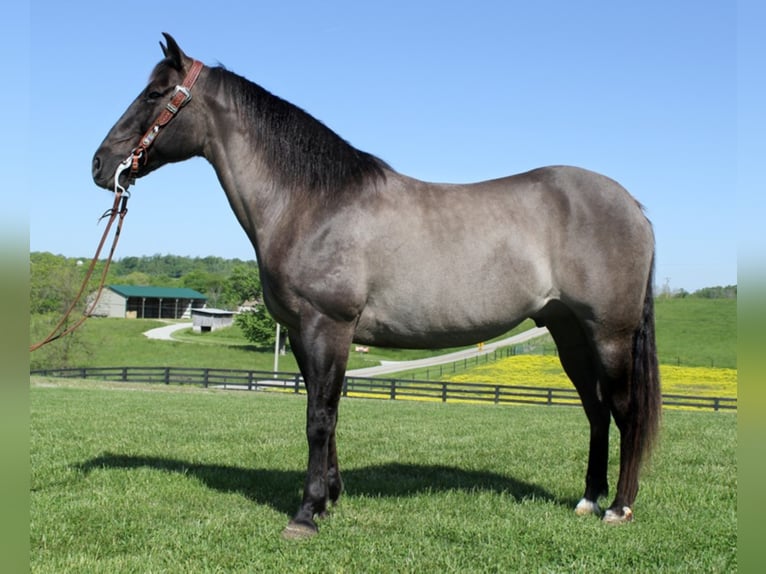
{"x": 140, "y": 478}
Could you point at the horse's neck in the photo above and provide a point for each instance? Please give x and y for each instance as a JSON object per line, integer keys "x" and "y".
{"x": 260, "y": 207}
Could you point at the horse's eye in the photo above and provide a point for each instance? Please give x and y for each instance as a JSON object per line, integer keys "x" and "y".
{"x": 154, "y": 95}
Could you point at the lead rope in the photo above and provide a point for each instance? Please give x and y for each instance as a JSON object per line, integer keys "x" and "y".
{"x": 119, "y": 209}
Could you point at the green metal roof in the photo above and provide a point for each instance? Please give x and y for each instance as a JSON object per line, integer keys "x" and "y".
{"x": 156, "y": 292}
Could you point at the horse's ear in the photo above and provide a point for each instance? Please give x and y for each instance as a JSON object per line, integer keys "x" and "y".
{"x": 173, "y": 52}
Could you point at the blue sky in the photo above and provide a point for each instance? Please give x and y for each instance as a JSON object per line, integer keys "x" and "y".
{"x": 644, "y": 92}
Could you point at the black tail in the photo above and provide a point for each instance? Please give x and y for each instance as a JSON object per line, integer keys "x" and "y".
{"x": 645, "y": 394}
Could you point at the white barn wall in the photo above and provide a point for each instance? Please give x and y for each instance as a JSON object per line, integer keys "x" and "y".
{"x": 110, "y": 304}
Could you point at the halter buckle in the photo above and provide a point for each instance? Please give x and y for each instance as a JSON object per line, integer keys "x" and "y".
{"x": 172, "y": 106}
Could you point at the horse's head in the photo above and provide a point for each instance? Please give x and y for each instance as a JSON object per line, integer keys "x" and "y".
{"x": 133, "y": 136}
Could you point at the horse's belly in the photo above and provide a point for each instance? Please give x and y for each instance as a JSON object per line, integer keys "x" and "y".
{"x": 429, "y": 328}
{"x": 406, "y": 338}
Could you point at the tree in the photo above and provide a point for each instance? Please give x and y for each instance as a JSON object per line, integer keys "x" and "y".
{"x": 257, "y": 326}
{"x": 718, "y": 292}
{"x": 54, "y": 281}
{"x": 135, "y": 278}
{"x": 60, "y": 353}
{"x": 211, "y": 284}
{"x": 244, "y": 284}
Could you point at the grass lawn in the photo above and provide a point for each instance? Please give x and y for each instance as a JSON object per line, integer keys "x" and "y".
{"x": 140, "y": 478}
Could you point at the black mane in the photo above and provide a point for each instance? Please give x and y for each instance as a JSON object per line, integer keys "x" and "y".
{"x": 301, "y": 152}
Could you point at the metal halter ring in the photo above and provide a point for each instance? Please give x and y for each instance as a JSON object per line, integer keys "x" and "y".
{"x": 127, "y": 163}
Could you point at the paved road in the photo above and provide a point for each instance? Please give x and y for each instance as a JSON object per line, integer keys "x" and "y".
{"x": 388, "y": 367}
{"x": 165, "y": 332}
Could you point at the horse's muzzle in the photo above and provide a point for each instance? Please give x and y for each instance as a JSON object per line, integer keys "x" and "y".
{"x": 104, "y": 168}
{"x": 100, "y": 176}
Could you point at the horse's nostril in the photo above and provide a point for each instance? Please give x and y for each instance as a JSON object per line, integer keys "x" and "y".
{"x": 96, "y": 164}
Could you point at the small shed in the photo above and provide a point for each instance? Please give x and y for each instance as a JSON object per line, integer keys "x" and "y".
{"x": 204, "y": 320}
{"x": 148, "y": 302}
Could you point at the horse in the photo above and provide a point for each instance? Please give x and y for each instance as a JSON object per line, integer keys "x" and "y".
{"x": 351, "y": 251}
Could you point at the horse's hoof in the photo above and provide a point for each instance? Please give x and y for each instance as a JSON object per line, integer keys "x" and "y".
{"x": 298, "y": 531}
{"x": 586, "y": 507}
{"x": 618, "y": 516}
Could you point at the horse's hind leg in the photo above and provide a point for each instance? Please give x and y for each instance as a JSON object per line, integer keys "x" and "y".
{"x": 630, "y": 458}
{"x": 615, "y": 357}
{"x": 635, "y": 402}
{"x": 577, "y": 359}
{"x": 596, "y": 483}
{"x": 631, "y": 387}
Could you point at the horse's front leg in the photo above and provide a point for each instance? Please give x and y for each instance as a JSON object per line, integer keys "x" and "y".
{"x": 321, "y": 349}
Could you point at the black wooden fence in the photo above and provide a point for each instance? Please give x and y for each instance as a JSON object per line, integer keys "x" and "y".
{"x": 366, "y": 387}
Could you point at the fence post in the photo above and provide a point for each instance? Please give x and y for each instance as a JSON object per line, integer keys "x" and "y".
{"x": 393, "y": 389}
{"x": 124, "y": 374}
{"x": 497, "y": 394}
{"x": 167, "y": 375}
{"x": 205, "y": 377}
{"x": 297, "y": 384}
{"x": 444, "y": 392}
{"x": 344, "y": 392}
{"x": 550, "y": 397}
{"x": 716, "y": 404}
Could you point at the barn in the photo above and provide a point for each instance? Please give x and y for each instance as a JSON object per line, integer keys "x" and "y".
{"x": 204, "y": 320}
{"x": 148, "y": 302}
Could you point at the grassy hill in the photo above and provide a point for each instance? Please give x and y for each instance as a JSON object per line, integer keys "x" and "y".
{"x": 697, "y": 332}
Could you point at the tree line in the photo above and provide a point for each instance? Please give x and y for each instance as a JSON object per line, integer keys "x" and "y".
{"x": 55, "y": 279}
{"x": 717, "y": 292}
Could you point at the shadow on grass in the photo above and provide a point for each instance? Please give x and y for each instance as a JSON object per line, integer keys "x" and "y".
{"x": 280, "y": 488}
